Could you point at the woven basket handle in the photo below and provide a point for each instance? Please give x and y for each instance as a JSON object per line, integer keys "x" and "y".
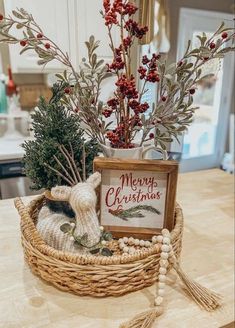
{"x": 21, "y": 208}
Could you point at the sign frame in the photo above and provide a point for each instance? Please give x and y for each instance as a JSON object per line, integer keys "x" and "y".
{"x": 159, "y": 166}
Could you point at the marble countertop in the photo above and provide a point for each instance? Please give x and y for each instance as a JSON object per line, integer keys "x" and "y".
{"x": 10, "y": 149}
{"x": 208, "y": 204}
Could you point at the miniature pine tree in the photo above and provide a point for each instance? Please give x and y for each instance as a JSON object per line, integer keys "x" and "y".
{"x": 59, "y": 154}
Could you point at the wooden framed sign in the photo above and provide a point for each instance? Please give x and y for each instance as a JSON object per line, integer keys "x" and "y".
{"x": 137, "y": 197}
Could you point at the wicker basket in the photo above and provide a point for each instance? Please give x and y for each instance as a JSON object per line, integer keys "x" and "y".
{"x": 92, "y": 275}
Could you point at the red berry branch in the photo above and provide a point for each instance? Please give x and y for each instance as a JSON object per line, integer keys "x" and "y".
{"x": 171, "y": 112}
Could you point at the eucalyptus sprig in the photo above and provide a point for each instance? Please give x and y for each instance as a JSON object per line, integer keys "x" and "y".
{"x": 82, "y": 241}
{"x": 173, "y": 112}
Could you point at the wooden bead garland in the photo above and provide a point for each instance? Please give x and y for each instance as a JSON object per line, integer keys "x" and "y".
{"x": 127, "y": 246}
{"x": 163, "y": 263}
{"x": 125, "y": 242}
{"x": 202, "y": 296}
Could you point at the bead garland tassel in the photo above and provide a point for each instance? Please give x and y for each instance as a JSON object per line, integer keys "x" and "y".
{"x": 205, "y": 298}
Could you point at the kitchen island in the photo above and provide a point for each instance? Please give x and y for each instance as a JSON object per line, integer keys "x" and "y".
{"x": 207, "y": 200}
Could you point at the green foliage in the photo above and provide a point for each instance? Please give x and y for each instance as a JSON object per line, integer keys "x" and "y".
{"x": 134, "y": 212}
{"x": 53, "y": 126}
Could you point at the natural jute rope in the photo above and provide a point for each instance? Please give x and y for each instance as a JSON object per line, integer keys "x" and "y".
{"x": 92, "y": 275}
{"x": 205, "y": 298}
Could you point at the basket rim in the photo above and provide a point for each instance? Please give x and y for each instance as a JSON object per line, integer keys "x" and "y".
{"x": 31, "y": 236}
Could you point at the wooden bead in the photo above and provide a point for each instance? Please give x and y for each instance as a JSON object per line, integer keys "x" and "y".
{"x": 154, "y": 239}
{"x": 101, "y": 228}
{"x": 161, "y": 285}
{"x": 158, "y": 300}
{"x": 164, "y": 256}
{"x": 72, "y": 224}
{"x": 122, "y": 245}
{"x": 147, "y": 243}
{"x": 162, "y": 270}
{"x": 162, "y": 278}
{"x": 165, "y": 233}
{"x": 131, "y": 250}
{"x": 125, "y": 239}
{"x": 159, "y": 239}
{"x": 136, "y": 242}
{"x": 166, "y": 240}
{"x": 164, "y": 263}
{"x": 142, "y": 243}
{"x": 104, "y": 242}
{"x": 131, "y": 241}
{"x": 165, "y": 248}
{"x": 161, "y": 292}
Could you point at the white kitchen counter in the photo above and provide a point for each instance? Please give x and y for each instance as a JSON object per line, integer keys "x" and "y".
{"x": 11, "y": 149}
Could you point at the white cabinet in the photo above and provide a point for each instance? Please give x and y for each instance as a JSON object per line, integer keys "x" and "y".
{"x": 69, "y": 23}
{"x": 53, "y": 17}
{"x": 88, "y": 21}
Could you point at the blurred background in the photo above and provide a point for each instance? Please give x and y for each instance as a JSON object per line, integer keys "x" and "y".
{"x": 209, "y": 141}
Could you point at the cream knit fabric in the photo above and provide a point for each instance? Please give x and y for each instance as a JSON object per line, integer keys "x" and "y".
{"x": 48, "y": 226}
{"x": 82, "y": 198}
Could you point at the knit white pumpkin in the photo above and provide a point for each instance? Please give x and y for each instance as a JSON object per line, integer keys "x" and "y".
{"x": 82, "y": 198}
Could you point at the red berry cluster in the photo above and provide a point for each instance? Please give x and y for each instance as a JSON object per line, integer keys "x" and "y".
{"x": 118, "y": 7}
{"x": 113, "y": 103}
{"x": 107, "y": 112}
{"x": 137, "y": 107}
{"x": 129, "y": 9}
{"x": 118, "y": 62}
{"x": 135, "y": 29}
{"x": 127, "y": 87}
{"x": 149, "y": 72}
{"x": 116, "y": 136}
{"x": 127, "y": 42}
